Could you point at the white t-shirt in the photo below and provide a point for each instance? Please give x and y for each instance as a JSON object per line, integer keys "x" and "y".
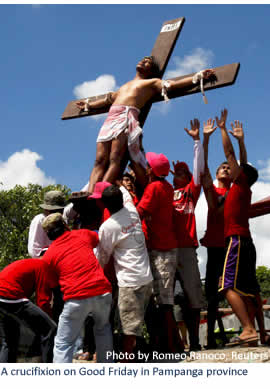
{"x": 37, "y": 238}
{"x": 121, "y": 236}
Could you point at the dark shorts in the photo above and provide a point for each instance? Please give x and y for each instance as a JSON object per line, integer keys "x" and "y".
{"x": 239, "y": 271}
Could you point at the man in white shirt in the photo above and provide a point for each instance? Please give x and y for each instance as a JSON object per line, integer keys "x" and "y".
{"x": 38, "y": 241}
{"x": 121, "y": 236}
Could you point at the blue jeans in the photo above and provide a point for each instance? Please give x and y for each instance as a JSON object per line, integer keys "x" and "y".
{"x": 71, "y": 321}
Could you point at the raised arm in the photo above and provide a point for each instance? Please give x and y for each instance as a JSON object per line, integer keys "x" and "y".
{"x": 208, "y": 130}
{"x": 85, "y": 105}
{"x": 238, "y": 133}
{"x": 227, "y": 145}
{"x": 198, "y": 161}
{"x": 206, "y": 178}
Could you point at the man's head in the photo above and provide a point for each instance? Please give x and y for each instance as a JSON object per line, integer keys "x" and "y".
{"x": 159, "y": 165}
{"x": 54, "y": 225}
{"x": 148, "y": 67}
{"x": 54, "y": 201}
{"x": 223, "y": 174}
{"x": 112, "y": 198}
{"x": 182, "y": 175}
{"x": 250, "y": 172}
{"x": 128, "y": 181}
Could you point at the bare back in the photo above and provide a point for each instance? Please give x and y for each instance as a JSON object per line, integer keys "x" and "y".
{"x": 137, "y": 92}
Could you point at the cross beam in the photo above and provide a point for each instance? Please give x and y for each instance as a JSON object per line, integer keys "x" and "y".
{"x": 260, "y": 208}
{"x": 224, "y": 76}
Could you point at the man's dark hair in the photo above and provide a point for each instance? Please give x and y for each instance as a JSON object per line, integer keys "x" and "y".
{"x": 112, "y": 198}
{"x": 155, "y": 71}
{"x": 130, "y": 176}
{"x": 220, "y": 166}
{"x": 251, "y": 173}
{"x": 57, "y": 231}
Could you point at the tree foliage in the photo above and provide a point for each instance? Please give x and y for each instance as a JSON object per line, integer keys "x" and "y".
{"x": 263, "y": 277}
{"x": 18, "y": 206}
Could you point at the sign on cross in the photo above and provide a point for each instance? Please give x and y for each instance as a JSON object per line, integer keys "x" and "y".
{"x": 162, "y": 50}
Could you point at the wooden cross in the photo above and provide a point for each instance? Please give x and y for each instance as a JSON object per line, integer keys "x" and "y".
{"x": 162, "y": 50}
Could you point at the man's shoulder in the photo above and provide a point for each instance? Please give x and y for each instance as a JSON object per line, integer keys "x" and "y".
{"x": 112, "y": 222}
{"x": 38, "y": 218}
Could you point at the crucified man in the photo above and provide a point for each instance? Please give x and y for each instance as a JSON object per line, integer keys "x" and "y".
{"x": 121, "y": 130}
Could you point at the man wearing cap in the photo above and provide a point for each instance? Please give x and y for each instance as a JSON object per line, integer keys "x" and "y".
{"x": 38, "y": 241}
{"x": 156, "y": 208}
{"x": 187, "y": 190}
{"x": 83, "y": 284}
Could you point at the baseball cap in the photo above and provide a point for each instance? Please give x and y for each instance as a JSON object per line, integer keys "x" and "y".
{"x": 53, "y": 200}
{"x": 182, "y": 166}
{"x": 52, "y": 221}
{"x": 98, "y": 189}
{"x": 159, "y": 163}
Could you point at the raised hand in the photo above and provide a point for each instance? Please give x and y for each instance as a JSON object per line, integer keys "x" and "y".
{"x": 237, "y": 130}
{"x": 223, "y": 117}
{"x": 208, "y": 127}
{"x": 194, "y": 132}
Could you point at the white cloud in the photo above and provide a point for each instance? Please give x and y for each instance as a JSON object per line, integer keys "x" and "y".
{"x": 198, "y": 59}
{"x": 103, "y": 84}
{"x": 259, "y": 226}
{"x": 21, "y": 169}
{"x": 265, "y": 171}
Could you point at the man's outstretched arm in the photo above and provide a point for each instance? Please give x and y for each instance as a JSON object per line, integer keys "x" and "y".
{"x": 227, "y": 145}
{"x": 238, "y": 133}
{"x": 206, "y": 178}
{"x": 85, "y": 105}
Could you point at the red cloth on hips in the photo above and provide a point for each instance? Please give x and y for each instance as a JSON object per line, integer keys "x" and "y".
{"x": 22, "y": 278}
{"x": 156, "y": 206}
{"x": 214, "y": 235}
{"x": 80, "y": 274}
{"x": 236, "y": 208}
{"x": 185, "y": 200}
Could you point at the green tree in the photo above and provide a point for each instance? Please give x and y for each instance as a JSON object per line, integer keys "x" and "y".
{"x": 18, "y": 206}
{"x": 263, "y": 277}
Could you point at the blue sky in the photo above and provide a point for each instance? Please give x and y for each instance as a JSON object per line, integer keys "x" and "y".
{"x": 50, "y": 51}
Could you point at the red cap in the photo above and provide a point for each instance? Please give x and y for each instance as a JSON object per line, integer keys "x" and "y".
{"x": 159, "y": 163}
{"x": 182, "y": 166}
{"x": 98, "y": 190}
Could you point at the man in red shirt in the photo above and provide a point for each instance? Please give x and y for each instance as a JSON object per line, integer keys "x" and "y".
{"x": 187, "y": 188}
{"x": 214, "y": 235}
{"x": 18, "y": 282}
{"x": 239, "y": 276}
{"x": 156, "y": 209}
{"x": 83, "y": 284}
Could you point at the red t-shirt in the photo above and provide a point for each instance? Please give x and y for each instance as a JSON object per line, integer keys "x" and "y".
{"x": 79, "y": 272}
{"x": 236, "y": 208}
{"x": 185, "y": 200}
{"x": 214, "y": 235}
{"x": 156, "y": 206}
{"x": 22, "y": 278}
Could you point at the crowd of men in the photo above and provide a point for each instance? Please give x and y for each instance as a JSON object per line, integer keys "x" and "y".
{"x": 115, "y": 252}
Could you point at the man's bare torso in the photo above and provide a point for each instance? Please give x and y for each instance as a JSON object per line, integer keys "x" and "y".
{"x": 137, "y": 92}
